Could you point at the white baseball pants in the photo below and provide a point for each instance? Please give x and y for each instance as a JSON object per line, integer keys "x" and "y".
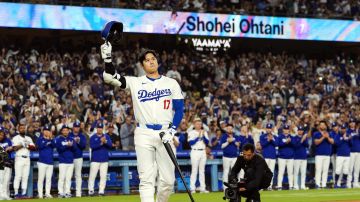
{"x": 198, "y": 161}
{"x": 65, "y": 174}
{"x": 289, "y": 164}
{"x": 5, "y": 176}
{"x": 22, "y": 170}
{"x": 354, "y": 169}
{"x": 271, "y": 164}
{"x": 45, "y": 172}
{"x": 152, "y": 158}
{"x": 94, "y": 169}
{"x": 228, "y": 163}
{"x": 322, "y": 164}
{"x": 299, "y": 168}
{"x": 78, "y": 163}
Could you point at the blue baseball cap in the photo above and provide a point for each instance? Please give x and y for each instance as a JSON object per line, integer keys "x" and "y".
{"x": 76, "y": 124}
{"x": 333, "y": 124}
{"x": 100, "y": 125}
{"x": 64, "y": 126}
{"x": 343, "y": 126}
{"x": 286, "y": 127}
{"x": 300, "y": 127}
{"x": 47, "y": 127}
{"x": 269, "y": 126}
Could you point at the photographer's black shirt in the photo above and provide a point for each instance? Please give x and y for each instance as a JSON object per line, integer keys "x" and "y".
{"x": 256, "y": 172}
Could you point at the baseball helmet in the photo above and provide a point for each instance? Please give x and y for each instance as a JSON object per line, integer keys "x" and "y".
{"x": 112, "y": 32}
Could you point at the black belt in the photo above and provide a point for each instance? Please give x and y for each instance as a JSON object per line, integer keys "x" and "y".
{"x": 199, "y": 149}
{"x": 24, "y": 157}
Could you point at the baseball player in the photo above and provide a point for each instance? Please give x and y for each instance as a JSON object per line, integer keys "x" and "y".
{"x": 79, "y": 146}
{"x": 5, "y": 170}
{"x": 354, "y": 168}
{"x": 198, "y": 139}
{"x": 22, "y": 145}
{"x": 245, "y": 137}
{"x": 268, "y": 142}
{"x": 334, "y": 132}
{"x": 300, "y": 158}
{"x": 100, "y": 145}
{"x": 342, "y": 143}
{"x": 158, "y": 106}
{"x": 65, "y": 146}
{"x": 286, "y": 157}
{"x": 230, "y": 145}
{"x": 323, "y": 147}
{"x": 45, "y": 145}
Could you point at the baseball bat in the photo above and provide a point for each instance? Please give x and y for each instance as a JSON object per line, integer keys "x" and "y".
{"x": 173, "y": 159}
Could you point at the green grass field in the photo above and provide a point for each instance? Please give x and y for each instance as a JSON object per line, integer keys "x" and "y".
{"x": 350, "y": 195}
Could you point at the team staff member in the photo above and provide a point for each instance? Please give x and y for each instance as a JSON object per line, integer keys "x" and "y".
{"x": 5, "y": 171}
{"x": 22, "y": 145}
{"x": 300, "y": 158}
{"x": 230, "y": 145}
{"x": 65, "y": 147}
{"x": 158, "y": 107}
{"x": 354, "y": 169}
{"x": 45, "y": 144}
{"x": 286, "y": 144}
{"x": 100, "y": 145}
{"x": 79, "y": 146}
{"x": 342, "y": 143}
{"x": 323, "y": 148}
{"x": 268, "y": 142}
{"x": 198, "y": 140}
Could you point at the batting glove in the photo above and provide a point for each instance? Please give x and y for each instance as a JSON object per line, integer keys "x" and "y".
{"x": 169, "y": 135}
{"x": 106, "y": 52}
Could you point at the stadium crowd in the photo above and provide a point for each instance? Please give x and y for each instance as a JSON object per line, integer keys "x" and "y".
{"x": 250, "y": 93}
{"x": 348, "y": 9}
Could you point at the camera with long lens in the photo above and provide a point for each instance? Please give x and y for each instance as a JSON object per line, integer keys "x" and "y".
{"x": 232, "y": 190}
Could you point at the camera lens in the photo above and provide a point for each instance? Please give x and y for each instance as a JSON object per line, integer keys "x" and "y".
{"x": 230, "y": 193}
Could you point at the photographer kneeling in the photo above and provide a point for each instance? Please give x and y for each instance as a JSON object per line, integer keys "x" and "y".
{"x": 257, "y": 176}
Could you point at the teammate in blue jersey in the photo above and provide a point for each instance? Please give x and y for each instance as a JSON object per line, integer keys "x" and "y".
{"x": 286, "y": 144}
{"x": 5, "y": 171}
{"x": 100, "y": 145}
{"x": 230, "y": 145}
{"x": 79, "y": 146}
{"x": 323, "y": 148}
{"x": 215, "y": 141}
{"x": 65, "y": 146}
{"x": 268, "y": 142}
{"x": 342, "y": 144}
{"x": 245, "y": 137}
{"x": 334, "y": 132}
{"x": 354, "y": 169}
{"x": 45, "y": 144}
{"x": 301, "y": 145}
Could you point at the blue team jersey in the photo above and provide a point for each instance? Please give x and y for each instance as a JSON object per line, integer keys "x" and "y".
{"x": 5, "y": 143}
{"x": 244, "y": 140}
{"x": 286, "y": 150}
{"x": 46, "y": 150}
{"x": 78, "y": 147}
{"x": 268, "y": 147}
{"x": 216, "y": 146}
{"x": 182, "y": 139}
{"x": 231, "y": 150}
{"x": 324, "y": 148}
{"x": 333, "y": 134}
{"x": 66, "y": 153}
{"x": 355, "y": 140}
{"x": 300, "y": 148}
{"x": 100, "y": 152}
{"x": 342, "y": 146}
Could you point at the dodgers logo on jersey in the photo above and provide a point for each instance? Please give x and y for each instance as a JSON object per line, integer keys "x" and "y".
{"x": 144, "y": 95}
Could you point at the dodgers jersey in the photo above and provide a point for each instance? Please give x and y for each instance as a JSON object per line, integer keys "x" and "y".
{"x": 153, "y": 98}
{"x": 24, "y": 141}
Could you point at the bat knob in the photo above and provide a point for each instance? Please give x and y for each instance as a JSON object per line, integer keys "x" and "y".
{"x": 162, "y": 134}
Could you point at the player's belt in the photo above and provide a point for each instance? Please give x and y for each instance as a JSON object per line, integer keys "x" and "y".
{"x": 23, "y": 156}
{"x": 153, "y": 126}
{"x": 199, "y": 149}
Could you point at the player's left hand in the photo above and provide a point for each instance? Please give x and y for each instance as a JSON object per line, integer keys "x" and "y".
{"x": 169, "y": 135}
{"x": 106, "y": 52}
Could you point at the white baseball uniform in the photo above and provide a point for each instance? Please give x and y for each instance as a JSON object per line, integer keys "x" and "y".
{"x": 354, "y": 165}
{"x": 198, "y": 158}
{"x": 22, "y": 163}
{"x": 153, "y": 109}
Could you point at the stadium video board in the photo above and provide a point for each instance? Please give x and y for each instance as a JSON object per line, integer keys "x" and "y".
{"x": 182, "y": 23}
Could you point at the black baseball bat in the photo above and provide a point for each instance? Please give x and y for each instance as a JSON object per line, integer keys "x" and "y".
{"x": 173, "y": 159}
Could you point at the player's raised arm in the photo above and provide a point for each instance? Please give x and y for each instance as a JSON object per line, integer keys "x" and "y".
{"x": 110, "y": 76}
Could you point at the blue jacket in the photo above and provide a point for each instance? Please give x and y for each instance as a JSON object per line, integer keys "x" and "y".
{"x": 5, "y": 143}
{"x": 217, "y": 146}
{"x": 286, "y": 150}
{"x": 230, "y": 151}
{"x": 324, "y": 148}
{"x": 333, "y": 134}
{"x": 182, "y": 139}
{"x": 342, "y": 146}
{"x": 300, "y": 148}
{"x": 100, "y": 152}
{"x": 66, "y": 153}
{"x": 46, "y": 150}
{"x": 243, "y": 140}
{"x": 268, "y": 147}
{"x": 355, "y": 140}
{"x": 78, "y": 147}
